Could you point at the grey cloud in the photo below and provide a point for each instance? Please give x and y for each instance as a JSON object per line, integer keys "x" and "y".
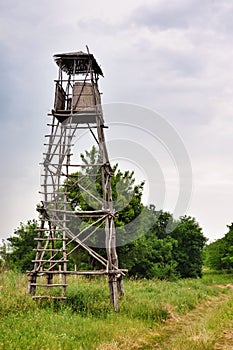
{"x": 169, "y": 14}
{"x": 97, "y": 26}
{"x": 183, "y": 62}
{"x": 181, "y": 14}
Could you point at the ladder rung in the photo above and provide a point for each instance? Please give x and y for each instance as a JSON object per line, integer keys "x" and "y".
{"x": 49, "y": 285}
{"x": 87, "y": 212}
{"x": 80, "y": 127}
{"x": 48, "y": 250}
{"x": 58, "y": 154}
{"x": 49, "y": 238}
{"x": 53, "y": 135}
{"x": 52, "y": 221}
{"x": 49, "y": 202}
{"x": 55, "y": 144}
{"x": 83, "y": 272}
{"x": 47, "y": 297}
{"x": 51, "y": 261}
{"x": 54, "y": 192}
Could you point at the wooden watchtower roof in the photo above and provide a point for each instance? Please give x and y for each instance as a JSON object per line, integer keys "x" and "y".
{"x": 82, "y": 60}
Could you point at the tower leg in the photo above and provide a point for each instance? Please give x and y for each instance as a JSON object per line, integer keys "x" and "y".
{"x": 32, "y": 279}
{"x": 113, "y": 291}
{"x": 120, "y": 285}
{"x": 49, "y": 278}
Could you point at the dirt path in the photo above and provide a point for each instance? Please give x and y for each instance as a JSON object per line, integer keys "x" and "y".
{"x": 207, "y": 327}
{"x": 225, "y": 341}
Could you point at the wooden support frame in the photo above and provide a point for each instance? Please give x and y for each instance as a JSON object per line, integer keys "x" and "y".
{"x": 56, "y": 210}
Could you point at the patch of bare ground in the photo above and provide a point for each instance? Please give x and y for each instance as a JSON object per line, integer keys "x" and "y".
{"x": 197, "y": 329}
{"x": 192, "y": 331}
{"x": 225, "y": 286}
{"x": 225, "y": 342}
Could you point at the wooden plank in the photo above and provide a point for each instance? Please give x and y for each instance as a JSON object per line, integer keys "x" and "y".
{"x": 50, "y": 261}
{"x": 49, "y": 238}
{"x": 97, "y": 272}
{"x": 49, "y": 285}
{"x": 48, "y": 297}
{"x": 48, "y": 250}
{"x": 84, "y": 212}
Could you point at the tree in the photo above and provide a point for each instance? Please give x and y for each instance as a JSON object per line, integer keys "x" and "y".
{"x": 190, "y": 244}
{"x": 145, "y": 245}
{"x": 152, "y": 254}
{"x": 126, "y": 195}
{"x": 164, "y": 254}
{"x": 3, "y": 254}
{"x": 22, "y": 244}
{"x": 219, "y": 254}
{"x": 126, "y": 201}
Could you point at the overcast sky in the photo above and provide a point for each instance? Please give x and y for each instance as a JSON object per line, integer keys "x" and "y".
{"x": 174, "y": 57}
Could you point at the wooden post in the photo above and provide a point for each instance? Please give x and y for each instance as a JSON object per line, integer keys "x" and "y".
{"x": 60, "y": 275}
{"x": 31, "y": 281}
{"x": 75, "y": 270}
{"x": 120, "y": 285}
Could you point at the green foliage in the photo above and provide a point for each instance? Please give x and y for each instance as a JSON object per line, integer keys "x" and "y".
{"x": 219, "y": 254}
{"x": 146, "y": 245}
{"x": 164, "y": 254}
{"x": 3, "y": 255}
{"x": 22, "y": 245}
{"x": 190, "y": 244}
{"x": 151, "y": 255}
{"x": 126, "y": 202}
{"x": 125, "y": 194}
{"x": 148, "y": 249}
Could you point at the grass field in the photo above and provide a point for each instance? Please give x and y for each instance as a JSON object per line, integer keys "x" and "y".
{"x": 186, "y": 314}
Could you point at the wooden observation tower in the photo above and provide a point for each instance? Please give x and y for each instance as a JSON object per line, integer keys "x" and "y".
{"x": 64, "y": 225}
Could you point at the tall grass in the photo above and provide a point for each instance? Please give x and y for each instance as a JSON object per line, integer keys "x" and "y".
{"x": 87, "y": 321}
